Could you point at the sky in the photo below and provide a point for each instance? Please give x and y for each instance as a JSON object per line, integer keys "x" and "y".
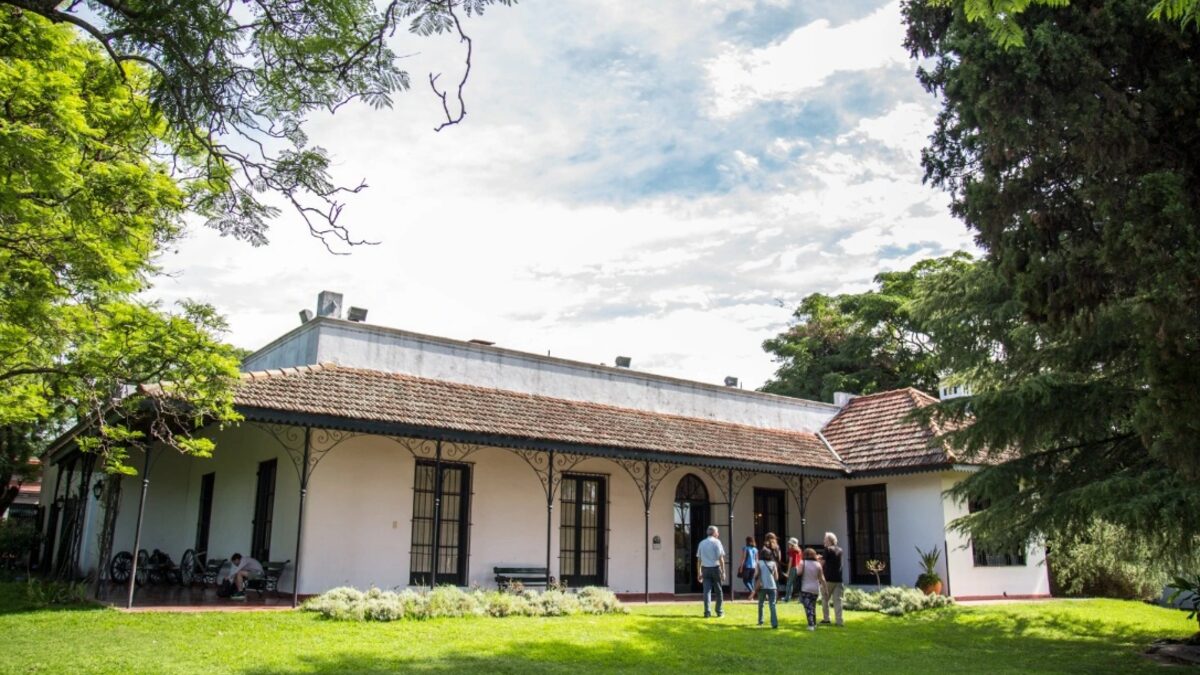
{"x": 661, "y": 180}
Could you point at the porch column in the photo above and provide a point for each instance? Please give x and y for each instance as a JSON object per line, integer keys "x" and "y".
{"x": 437, "y": 513}
{"x": 137, "y": 532}
{"x": 549, "y": 512}
{"x": 729, "y": 532}
{"x": 304, "y": 473}
{"x": 646, "y": 539}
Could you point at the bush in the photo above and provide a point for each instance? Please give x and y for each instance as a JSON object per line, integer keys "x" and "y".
{"x": 349, "y": 604}
{"x": 893, "y": 600}
{"x": 41, "y": 593}
{"x": 17, "y": 539}
{"x": 1105, "y": 561}
{"x": 597, "y": 600}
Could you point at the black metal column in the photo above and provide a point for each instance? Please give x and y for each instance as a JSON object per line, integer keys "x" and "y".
{"x": 646, "y": 540}
{"x": 803, "y": 514}
{"x": 549, "y": 510}
{"x": 137, "y": 532}
{"x": 437, "y": 514}
{"x": 729, "y": 551}
{"x": 300, "y": 515}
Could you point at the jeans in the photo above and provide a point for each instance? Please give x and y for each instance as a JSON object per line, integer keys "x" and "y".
{"x": 833, "y": 590}
{"x": 748, "y": 579}
{"x": 793, "y": 583}
{"x": 769, "y": 595}
{"x": 712, "y": 584}
{"x": 809, "y": 601}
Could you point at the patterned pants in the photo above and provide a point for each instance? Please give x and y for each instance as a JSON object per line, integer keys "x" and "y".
{"x": 810, "y": 607}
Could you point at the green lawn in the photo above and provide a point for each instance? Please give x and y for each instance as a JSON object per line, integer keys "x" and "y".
{"x": 1089, "y": 636}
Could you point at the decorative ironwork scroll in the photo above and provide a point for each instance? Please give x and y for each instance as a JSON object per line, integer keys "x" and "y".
{"x": 646, "y": 475}
{"x": 421, "y": 448}
{"x": 542, "y": 461}
{"x": 801, "y": 488}
{"x": 727, "y": 479}
{"x": 292, "y": 439}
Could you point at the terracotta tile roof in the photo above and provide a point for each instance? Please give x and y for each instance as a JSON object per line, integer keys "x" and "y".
{"x": 404, "y": 399}
{"x": 875, "y": 432}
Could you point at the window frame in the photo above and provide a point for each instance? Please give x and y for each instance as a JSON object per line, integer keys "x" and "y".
{"x": 417, "y": 557}
{"x": 855, "y": 555}
{"x": 576, "y": 580}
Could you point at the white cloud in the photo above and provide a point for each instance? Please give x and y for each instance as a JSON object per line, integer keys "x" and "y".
{"x": 804, "y": 60}
{"x": 537, "y": 224}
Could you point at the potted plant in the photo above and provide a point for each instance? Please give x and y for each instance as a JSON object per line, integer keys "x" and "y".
{"x": 929, "y": 582}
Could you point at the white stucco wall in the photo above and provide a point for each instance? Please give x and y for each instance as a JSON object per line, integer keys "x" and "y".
{"x": 969, "y": 581}
{"x": 173, "y": 499}
{"x": 359, "y": 517}
{"x": 365, "y": 346}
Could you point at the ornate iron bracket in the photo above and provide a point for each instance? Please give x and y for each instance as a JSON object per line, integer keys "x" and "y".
{"x": 727, "y": 479}
{"x": 801, "y": 488}
{"x": 293, "y": 440}
{"x": 542, "y": 462}
{"x": 646, "y": 475}
{"x": 421, "y": 448}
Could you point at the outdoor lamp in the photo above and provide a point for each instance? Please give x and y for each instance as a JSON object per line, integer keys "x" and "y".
{"x": 98, "y": 488}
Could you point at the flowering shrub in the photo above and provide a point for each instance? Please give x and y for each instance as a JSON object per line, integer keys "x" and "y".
{"x": 349, "y": 604}
{"x": 893, "y": 600}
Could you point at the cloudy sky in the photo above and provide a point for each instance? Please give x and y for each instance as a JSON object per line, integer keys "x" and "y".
{"x": 665, "y": 182}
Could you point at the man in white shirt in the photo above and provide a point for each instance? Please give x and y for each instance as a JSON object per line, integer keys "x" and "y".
{"x": 710, "y": 569}
{"x": 242, "y": 569}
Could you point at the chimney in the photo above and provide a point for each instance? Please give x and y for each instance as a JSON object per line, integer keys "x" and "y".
{"x": 731, "y": 381}
{"x": 329, "y": 304}
{"x": 841, "y": 398}
{"x": 357, "y": 314}
{"x": 624, "y": 361}
{"x": 306, "y": 315}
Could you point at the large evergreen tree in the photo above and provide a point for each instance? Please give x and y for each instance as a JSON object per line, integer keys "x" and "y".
{"x": 1076, "y": 160}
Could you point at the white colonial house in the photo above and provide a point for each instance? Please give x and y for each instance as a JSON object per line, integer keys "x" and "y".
{"x": 376, "y": 456}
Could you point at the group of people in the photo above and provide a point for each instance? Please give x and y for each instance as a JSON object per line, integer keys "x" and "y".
{"x": 807, "y": 574}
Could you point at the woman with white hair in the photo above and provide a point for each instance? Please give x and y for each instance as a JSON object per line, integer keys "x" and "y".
{"x": 832, "y": 589}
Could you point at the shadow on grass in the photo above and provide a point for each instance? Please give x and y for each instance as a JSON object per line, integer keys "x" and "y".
{"x": 951, "y": 640}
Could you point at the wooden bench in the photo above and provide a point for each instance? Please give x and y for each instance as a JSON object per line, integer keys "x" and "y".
{"x": 269, "y": 581}
{"x": 526, "y": 576}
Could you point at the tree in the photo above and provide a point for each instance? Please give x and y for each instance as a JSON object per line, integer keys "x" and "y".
{"x": 235, "y": 82}
{"x": 1076, "y": 160}
{"x": 859, "y": 342}
{"x": 1001, "y": 16}
{"x": 82, "y": 216}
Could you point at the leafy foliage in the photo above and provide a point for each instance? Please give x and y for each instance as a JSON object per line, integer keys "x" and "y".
{"x": 350, "y": 604}
{"x": 929, "y": 562}
{"x": 234, "y": 84}
{"x": 893, "y": 600}
{"x": 1105, "y": 561}
{"x": 1076, "y": 161}
{"x": 859, "y": 342}
{"x": 1000, "y": 17}
{"x": 82, "y": 215}
{"x": 1191, "y": 589}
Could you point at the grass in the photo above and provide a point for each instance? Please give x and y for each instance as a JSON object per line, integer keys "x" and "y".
{"x": 1086, "y": 636}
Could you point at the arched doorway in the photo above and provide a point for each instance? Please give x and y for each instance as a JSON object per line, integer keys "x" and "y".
{"x": 691, "y": 520}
